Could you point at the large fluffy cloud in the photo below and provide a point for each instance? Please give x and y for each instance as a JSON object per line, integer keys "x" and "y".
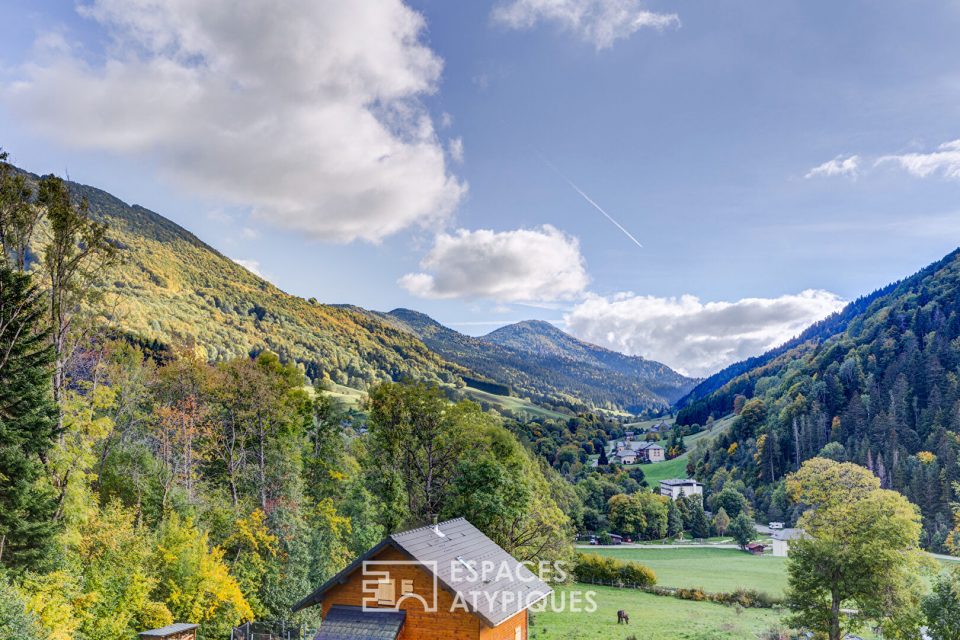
{"x": 309, "y": 111}
{"x": 600, "y": 22}
{"x": 524, "y": 265}
{"x": 945, "y": 161}
{"x": 694, "y": 337}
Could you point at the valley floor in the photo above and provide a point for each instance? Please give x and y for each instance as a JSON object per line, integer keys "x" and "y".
{"x": 711, "y": 569}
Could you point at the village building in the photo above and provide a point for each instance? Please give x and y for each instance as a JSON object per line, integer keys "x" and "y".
{"x": 650, "y": 452}
{"x": 781, "y": 541}
{"x": 660, "y": 427}
{"x": 675, "y": 488}
{"x": 442, "y": 582}
{"x": 635, "y": 451}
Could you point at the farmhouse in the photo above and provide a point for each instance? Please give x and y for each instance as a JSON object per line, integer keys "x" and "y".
{"x": 443, "y": 582}
{"x": 649, "y": 452}
{"x": 677, "y": 487}
{"x": 781, "y": 541}
{"x": 659, "y": 427}
{"x": 627, "y": 456}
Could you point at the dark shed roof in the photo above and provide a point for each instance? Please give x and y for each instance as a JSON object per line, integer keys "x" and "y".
{"x": 169, "y": 630}
{"x": 448, "y": 549}
{"x": 353, "y": 623}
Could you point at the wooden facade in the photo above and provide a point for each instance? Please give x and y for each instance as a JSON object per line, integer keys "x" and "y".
{"x": 446, "y": 623}
{"x": 430, "y": 583}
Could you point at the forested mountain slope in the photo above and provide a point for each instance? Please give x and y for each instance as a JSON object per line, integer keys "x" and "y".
{"x": 883, "y": 391}
{"x": 694, "y": 408}
{"x": 543, "y": 340}
{"x": 173, "y": 288}
{"x": 568, "y": 373}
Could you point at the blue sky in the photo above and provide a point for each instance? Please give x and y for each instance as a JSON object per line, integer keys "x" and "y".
{"x": 774, "y": 159}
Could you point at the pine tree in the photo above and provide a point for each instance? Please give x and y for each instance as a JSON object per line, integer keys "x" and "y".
{"x": 602, "y": 461}
{"x": 674, "y": 520}
{"x": 698, "y": 524}
{"x": 27, "y": 422}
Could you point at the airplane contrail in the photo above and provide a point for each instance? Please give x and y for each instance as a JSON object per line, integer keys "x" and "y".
{"x": 590, "y": 200}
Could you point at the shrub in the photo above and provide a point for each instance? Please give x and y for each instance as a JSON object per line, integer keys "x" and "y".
{"x": 594, "y": 569}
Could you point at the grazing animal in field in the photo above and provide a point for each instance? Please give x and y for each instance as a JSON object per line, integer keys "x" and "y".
{"x": 622, "y": 617}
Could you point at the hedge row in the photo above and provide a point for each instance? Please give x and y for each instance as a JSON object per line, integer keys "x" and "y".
{"x": 594, "y": 569}
{"x": 749, "y": 598}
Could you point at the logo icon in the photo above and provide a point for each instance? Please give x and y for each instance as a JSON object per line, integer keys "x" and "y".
{"x": 387, "y": 584}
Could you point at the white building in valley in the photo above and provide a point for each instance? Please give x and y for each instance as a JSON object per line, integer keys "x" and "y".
{"x": 677, "y": 487}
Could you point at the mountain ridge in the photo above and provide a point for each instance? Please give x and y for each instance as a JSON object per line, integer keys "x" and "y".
{"x": 173, "y": 289}
{"x": 609, "y": 379}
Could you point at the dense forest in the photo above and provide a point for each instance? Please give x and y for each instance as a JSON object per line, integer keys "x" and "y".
{"x": 143, "y": 484}
{"x": 879, "y": 389}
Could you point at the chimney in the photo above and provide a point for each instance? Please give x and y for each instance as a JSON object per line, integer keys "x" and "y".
{"x": 436, "y": 526}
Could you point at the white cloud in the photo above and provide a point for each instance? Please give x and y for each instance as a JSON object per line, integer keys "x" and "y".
{"x": 839, "y": 166}
{"x": 694, "y": 337}
{"x": 253, "y": 266}
{"x": 944, "y": 161}
{"x": 600, "y": 22}
{"x": 308, "y": 111}
{"x": 249, "y": 233}
{"x": 219, "y": 215}
{"x": 455, "y": 147}
{"x": 530, "y": 265}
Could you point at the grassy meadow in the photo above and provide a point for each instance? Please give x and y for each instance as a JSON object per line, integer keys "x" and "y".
{"x": 516, "y": 405}
{"x": 710, "y": 569}
{"x": 651, "y": 618}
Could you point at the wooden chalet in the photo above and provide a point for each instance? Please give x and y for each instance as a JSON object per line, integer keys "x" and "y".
{"x": 430, "y": 583}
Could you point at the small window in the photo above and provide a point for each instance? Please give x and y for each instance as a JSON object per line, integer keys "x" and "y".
{"x": 406, "y": 586}
{"x": 518, "y": 635}
{"x": 385, "y": 592}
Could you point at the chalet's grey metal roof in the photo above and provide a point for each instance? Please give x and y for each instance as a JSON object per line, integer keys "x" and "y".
{"x": 169, "y": 630}
{"x": 483, "y": 577}
{"x": 353, "y": 623}
{"x": 627, "y": 453}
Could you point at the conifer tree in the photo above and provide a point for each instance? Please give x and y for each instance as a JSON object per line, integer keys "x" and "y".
{"x": 27, "y": 422}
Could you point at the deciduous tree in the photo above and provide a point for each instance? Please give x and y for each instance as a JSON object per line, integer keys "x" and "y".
{"x": 860, "y": 551}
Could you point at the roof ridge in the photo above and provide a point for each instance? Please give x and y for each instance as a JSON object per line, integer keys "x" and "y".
{"x": 426, "y": 526}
